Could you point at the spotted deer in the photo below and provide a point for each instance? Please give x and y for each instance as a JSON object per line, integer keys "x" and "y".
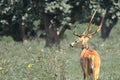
{"x": 89, "y": 58}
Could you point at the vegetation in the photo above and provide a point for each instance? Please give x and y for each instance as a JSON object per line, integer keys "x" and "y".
{"x": 39, "y": 24}
{"x": 29, "y": 19}
{"x": 30, "y": 60}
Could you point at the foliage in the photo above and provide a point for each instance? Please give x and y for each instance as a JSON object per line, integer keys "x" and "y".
{"x": 112, "y": 6}
{"x": 23, "y": 19}
{"x": 31, "y": 60}
{"x": 6, "y": 38}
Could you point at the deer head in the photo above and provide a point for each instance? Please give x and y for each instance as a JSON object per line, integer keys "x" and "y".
{"x": 86, "y": 35}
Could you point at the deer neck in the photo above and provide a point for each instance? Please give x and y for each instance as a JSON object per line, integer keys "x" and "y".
{"x": 85, "y": 47}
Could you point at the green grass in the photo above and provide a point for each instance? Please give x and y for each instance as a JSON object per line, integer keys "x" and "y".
{"x": 31, "y": 61}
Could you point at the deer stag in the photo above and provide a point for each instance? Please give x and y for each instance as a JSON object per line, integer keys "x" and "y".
{"x": 89, "y": 59}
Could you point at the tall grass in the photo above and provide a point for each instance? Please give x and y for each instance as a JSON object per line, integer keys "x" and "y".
{"x": 30, "y": 60}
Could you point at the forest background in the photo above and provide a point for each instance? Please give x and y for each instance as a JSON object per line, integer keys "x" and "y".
{"x": 35, "y": 37}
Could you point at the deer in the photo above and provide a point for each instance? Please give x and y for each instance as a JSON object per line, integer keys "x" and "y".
{"x": 89, "y": 58}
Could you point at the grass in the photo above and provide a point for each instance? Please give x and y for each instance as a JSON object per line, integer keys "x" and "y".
{"x": 31, "y": 61}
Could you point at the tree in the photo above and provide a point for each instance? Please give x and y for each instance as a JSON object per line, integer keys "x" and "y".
{"x": 112, "y": 15}
{"x": 18, "y": 17}
{"x": 86, "y": 7}
{"x": 14, "y": 19}
{"x": 55, "y": 16}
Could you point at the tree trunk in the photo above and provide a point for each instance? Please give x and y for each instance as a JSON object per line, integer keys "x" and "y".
{"x": 18, "y": 31}
{"x": 107, "y": 27}
{"x": 105, "y": 32}
{"x": 62, "y": 31}
{"x": 51, "y": 32}
{"x": 21, "y": 32}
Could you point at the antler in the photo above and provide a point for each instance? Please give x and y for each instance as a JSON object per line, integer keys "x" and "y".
{"x": 89, "y": 28}
{"x": 100, "y": 26}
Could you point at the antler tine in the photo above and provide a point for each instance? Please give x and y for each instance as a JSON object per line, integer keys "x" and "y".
{"x": 88, "y": 28}
{"x": 100, "y": 26}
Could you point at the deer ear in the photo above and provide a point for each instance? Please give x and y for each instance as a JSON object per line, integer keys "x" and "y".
{"x": 89, "y": 36}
